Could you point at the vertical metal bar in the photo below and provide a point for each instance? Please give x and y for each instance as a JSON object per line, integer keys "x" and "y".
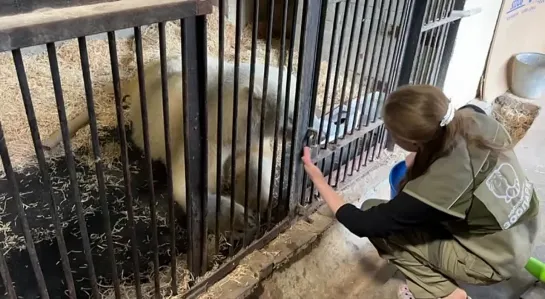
{"x": 356, "y": 63}
{"x": 281, "y": 195}
{"x": 421, "y": 40}
{"x": 330, "y": 175}
{"x": 328, "y": 78}
{"x": 346, "y": 70}
{"x": 316, "y": 81}
{"x": 347, "y": 161}
{"x": 6, "y": 278}
{"x": 377, "y": 142}
{"x": 318, "y": 64}
{"x": 219, "y": 159}
{"x": 249, "y": 125}
{"x": 303, "y": 99}
{"x": 432, "y": 45}
{"x": 59, "y": 98}
{"x": 383, "y": 140}
{"x": 440, "y": 36}
{"x": 431, "y": 36}
{"x": 400, "y": 42}
{"x": 84, "y": 57}
{"x": 196, "y": 139}
{"x": 285, "y": 203}
{"x": 124, "y": 160}
{"x": 364, "y": 65}
{"x": 238, "y": 34}
{"x": 168, "y": 156}
{"x": 264, "y": 97}
{"x": 400, "y": 52}
{"x": 366, "y": 141}
{"x": 53, "y": 200}
{"x": 278, "y": 103}
{"x": 448, "y": 48}
{"x": 372, "y": 142}
{"x": 374, "y": 54}
{"x": 355, "y": 155}
{"x": 385, "y": 77}
{"x": 145, "y": 129}
{"x": 303, "y": 190}
{"x": 10, "y": 174}
{"x": 415, "y": 27}
{"x": 377, "y": 70}
{"x": 404, "y": 66}
{"x": 336, "y": 76}
{"x": 337, "y": 176}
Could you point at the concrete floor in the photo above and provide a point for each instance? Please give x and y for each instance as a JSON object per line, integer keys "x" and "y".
{"x": 345, "y": 266}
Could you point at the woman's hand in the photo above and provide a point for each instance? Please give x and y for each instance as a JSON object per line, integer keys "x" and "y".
{"x": 333, "y": 200}
{"x": 312, "y": 170}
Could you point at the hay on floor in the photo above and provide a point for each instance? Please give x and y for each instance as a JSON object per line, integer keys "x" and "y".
{"x": 515, "y": 115}
{"x": 12, "y": 114}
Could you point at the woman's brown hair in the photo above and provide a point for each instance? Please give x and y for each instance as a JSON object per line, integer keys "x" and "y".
{"x": 413, "y": 113}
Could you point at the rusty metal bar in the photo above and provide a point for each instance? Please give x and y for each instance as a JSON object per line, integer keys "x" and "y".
{"x": 249, "y": 124}
{"x": 44, "y": 171}
{"x": 282, "y": 206}
{"x": 147, "y": 153}
{"x": 356, "y": 64}
{"x": 84, "y": 57}
{"x": 236, "y": 77}
{"x": 168, "y": 156}
{"x": 59, "y": 98}
{"x": 364, "y": 65}
{"x": 328, "y": 78}
{"x": 10, "y": 174}
{"x": 336, "y": 76}
{"x": 219, "y": 159}
{"x": 196, "y": 139}
{"x": 350, "y": 45}
{"x": 281, "y": 61}
{"x": 124, "y": 159}
{"x": 303, "y": 100}
{"x": 6, "y": 277}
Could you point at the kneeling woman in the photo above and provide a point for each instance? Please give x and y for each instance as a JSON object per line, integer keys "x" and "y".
{"x": 466, "y": 211}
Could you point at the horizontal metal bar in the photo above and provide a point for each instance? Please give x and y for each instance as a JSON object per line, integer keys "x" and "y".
{"x": 10, "y": 7}
{"x": 36, "y": 28}
{"x": 331, "y": 148}
{"x": 455, "y": 15}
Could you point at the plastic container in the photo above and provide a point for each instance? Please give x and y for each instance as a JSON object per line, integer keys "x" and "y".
{"x": 396, "y": 175}
{"x": 528, "y": 75}
{"x": 536, "y": 268}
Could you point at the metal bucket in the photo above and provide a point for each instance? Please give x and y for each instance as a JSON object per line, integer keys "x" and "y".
{"x": 528, "y": 75}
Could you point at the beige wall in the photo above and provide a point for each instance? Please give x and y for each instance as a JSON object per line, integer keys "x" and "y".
{"x": 519, "y": 29}
{"x": 470, "y": 51}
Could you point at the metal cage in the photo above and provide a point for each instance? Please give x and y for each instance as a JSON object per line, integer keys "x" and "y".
{"x": 336, "y": 61}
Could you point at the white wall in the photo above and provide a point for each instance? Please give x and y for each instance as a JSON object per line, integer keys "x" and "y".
{"x": 470, "y": 51}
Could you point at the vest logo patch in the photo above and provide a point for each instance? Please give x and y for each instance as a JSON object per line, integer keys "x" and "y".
{"x": 504, "y": 183}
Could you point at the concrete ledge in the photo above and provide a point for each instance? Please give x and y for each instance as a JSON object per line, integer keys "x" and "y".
{"x": 261, "y": 263}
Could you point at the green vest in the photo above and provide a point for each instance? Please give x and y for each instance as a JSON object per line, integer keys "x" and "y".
{"x": 495, "y": 203}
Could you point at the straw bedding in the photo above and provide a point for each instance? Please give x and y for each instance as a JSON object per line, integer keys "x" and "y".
{"x": 36, "y": 198}
{"x": 515, "y": 115}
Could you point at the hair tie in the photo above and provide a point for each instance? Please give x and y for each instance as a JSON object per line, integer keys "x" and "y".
{"x": 449, "y": 116}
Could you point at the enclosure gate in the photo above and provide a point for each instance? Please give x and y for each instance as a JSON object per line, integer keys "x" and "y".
{"x": 350, "y": 55}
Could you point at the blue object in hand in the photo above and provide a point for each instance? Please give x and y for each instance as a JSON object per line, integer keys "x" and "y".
{"x": 396, "y": 175}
